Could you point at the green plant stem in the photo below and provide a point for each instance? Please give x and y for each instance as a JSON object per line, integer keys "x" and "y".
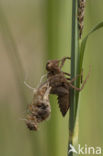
{"x": 73, "y": 122}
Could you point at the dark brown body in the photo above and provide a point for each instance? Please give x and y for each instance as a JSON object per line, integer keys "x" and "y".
{"x": 60, "y": 87}
{"x": 59, "y": 83}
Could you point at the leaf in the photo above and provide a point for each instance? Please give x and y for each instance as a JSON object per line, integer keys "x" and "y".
{"x": 80, "y": 59}
{"x": 84, "y": 41}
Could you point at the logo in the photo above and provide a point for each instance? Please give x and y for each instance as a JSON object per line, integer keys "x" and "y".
{"x": 85, "y": 149}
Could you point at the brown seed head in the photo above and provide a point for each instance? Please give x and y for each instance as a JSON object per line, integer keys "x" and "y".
{"x": 81, "y": 9}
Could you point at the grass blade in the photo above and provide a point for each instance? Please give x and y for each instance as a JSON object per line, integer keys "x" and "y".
{"x": 84, "y": 41}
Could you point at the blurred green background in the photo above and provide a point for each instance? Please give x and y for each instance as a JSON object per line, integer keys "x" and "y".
{"x": 31, "y": 32}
